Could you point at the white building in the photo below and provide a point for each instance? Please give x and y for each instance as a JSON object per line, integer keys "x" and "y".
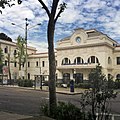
{"x": 75, "y": 55}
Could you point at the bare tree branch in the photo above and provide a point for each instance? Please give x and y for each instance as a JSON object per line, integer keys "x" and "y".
{"x": 61, "y": 9}
{"x": 58, "y": 15}
{"x": 45, "y": 7}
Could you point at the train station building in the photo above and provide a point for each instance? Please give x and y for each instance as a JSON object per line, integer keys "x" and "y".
{"x": 75, "y": 56}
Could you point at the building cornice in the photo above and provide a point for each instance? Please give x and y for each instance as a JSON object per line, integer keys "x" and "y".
{"x": 41, "y": 55}
{"x": 85, "y": 46}
{"x": 14, "y": 44}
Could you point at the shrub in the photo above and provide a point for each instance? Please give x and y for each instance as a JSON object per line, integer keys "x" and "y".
{"x": 117, "y": 84}
{"x": 64, "y": 111}
{"x": 25, "y": 83}
{"x": 83, "y": 85}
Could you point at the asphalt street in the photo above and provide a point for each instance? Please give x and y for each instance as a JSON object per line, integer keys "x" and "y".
{"x": 28, "y": 102}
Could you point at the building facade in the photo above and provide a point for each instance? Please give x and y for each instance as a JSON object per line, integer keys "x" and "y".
{"x": 9, "y": 50}
{"x": 75, "y": 55}
{"x": 82, "y": 51}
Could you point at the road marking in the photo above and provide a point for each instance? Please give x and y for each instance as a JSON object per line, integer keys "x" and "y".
{"x": 47, "y": 98}
{"x": 112, "y": 116}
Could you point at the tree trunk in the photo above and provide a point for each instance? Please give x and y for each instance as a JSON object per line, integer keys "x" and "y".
{"x": 52, "y": 67}
{"x": 20, "y": 64}
{"x": 9, "y": 72}
{"x": 20, "y": 68}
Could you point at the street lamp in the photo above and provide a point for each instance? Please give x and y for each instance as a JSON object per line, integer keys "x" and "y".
{"x": 26, "y": 33}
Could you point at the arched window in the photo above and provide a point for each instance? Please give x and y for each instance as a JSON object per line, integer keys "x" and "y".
{"x": 109, "y": 60}
{"x": 78, "y": 60}
{"x": 93, "y": 59}
{"x": 118, "y": 76}
{"x": 66, "y": 61}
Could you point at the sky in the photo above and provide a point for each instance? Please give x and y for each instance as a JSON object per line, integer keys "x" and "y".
{"x": 102, "y": 15}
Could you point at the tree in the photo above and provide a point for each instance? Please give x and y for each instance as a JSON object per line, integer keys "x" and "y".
{"x": 1, "y": 60}
{"x": 53, "y": 17}
{"x": 20, "y": 52}
{"x": 4, "y": 3}
{"x": 97, "y": 98}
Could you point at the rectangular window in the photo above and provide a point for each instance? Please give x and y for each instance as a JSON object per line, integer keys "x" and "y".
{"x": 56, "y": 62}
{"x": 92, "y": 59}
{"x": 78, "y": 59}
{"x": 118, "y": 60}
{"x": 66, "y": 60}
{"x": 6, "y": 50}
{"x": 23, "y": 64}
{"x": 15, "y": 64}
{"x": 15, "y": 52}
{"x": 43, "y": 63}
{"x": 28, "y": 64}
{"x": 36, "y": 63}
{"x": 6, "y": 62}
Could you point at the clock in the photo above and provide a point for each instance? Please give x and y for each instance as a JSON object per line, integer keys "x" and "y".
{"x": 78, "y": 39}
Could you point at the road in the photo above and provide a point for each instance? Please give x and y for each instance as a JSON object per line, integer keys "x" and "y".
{"x": 27, "y": 102}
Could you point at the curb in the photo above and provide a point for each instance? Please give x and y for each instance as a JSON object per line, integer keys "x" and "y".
{"x": 58, "y": 92}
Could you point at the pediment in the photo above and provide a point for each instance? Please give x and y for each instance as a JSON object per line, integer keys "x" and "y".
{"x": 78, "y": 37}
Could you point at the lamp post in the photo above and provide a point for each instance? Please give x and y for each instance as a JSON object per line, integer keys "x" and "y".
{"x": 26, "y": 34}
{"x": 26, "y": 29}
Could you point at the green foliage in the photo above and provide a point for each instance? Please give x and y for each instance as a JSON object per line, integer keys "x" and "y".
{"x": 83, "y": 85}
{"x": 20, "y": 54}
{"x": 64, "y": 111}
{"x": 117, "y": 84}
{"x": 9, "y": 3}
{"x": 97, "y": 78}
{"x": 25, "y": 83}
{"x": 1, "y": 56}
{"x": 1, "y": 60}
{"x": 44, "y": 109}
{"x": 96, "y": 99}
{"x": 68, "y": 111}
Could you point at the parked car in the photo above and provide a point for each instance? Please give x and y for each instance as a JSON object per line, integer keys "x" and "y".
{"x": 64, "y": 85}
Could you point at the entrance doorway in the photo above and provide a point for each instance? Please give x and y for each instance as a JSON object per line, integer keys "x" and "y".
{"x": 78, "y": 78}
{"x": 66, "y": 78}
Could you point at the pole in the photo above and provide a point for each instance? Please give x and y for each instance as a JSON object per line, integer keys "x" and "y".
{"x": 26, "y": 28}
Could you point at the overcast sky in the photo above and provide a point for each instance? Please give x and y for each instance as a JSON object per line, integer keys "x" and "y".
{"x": 103, "y": 15}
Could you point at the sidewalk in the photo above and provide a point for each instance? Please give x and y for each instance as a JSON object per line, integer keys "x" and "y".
{"x": 59, "y": 90}
{"x": 11, "y": 116}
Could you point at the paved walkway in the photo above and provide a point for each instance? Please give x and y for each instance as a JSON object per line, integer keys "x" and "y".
{"x": 59, "y": 90}
{"x": 11, "y": 116}
{"x": 46, "y": 89}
